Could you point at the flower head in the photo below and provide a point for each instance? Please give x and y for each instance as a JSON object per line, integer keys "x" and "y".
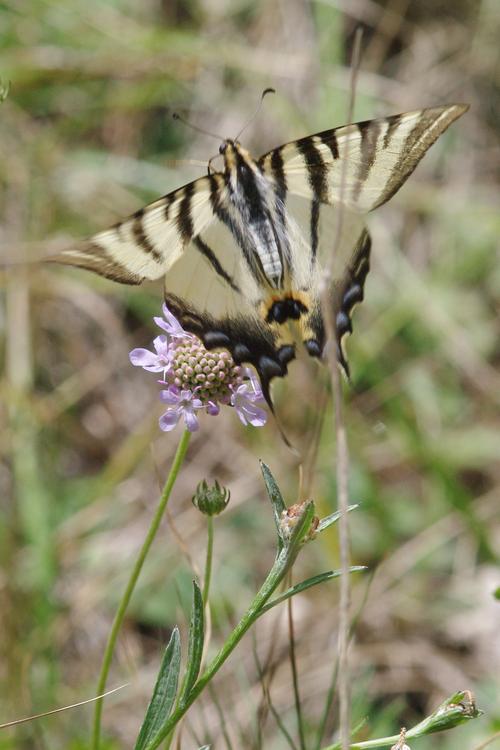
{"x": 196, "y": 378}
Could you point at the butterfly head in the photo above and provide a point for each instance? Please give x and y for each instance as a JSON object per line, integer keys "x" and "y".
{"x": 237, "y": 160}
{"x": 228, "y": 143}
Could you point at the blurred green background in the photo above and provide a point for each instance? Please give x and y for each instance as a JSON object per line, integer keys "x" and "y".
{"x": 86, "y": 137}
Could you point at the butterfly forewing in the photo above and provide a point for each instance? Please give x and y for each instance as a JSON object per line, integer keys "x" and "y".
{"x": 360, "y": 165}
{"x": 148, "y": 243}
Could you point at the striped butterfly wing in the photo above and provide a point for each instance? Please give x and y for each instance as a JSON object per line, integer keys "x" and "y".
{"x": 360, "y": 165}
{"x": 349, "y": 170}
{"x": 147, "y": 244}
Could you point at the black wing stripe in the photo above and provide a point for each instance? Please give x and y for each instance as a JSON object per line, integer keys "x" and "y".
{"x": 94, "y": 257}
{"x": 278, "y": 171}
{"x": 184, "y": 218}
{"x": 317, "y": 170}
{"x": 329, "y": 139}
{"x": 169, "y": 199}
{"x": 315, "y": 209}
{"x": 416, "y": 143}
{"x": 392, "y": 126}
{"x": 140, "y": 237}
{"x": 209, "y": 254}
{"x": 370, "y": 132}
{"x": 119, "y": 230}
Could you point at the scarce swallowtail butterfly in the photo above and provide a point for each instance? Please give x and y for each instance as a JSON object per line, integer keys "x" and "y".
{"x": 243, "y": 250}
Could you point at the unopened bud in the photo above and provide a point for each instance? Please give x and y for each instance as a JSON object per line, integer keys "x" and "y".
{"x": 211, "y": 500}
{"x": 455, "y": 710}
{"x": 290, "y": 518}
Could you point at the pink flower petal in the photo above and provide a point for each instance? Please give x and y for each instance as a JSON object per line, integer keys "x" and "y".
{"x": 191, "y": 420}
{"x": 143, "y": 357}
{"x": 171, "y": 325}
{"x": 254, "y": 383}
{"x": 169, "y": 420}
{"x": 161, "y": 346}
{"x": 170, "y": 397}
{"x": 257, "y": 417}
{"x": 246, "y": 409}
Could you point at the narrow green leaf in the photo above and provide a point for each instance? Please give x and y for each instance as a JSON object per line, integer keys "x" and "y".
{"x": 299, "y": 587}
{"x": 195, "y": 646}
{"x": 332, "y": 518}
{"x": 275, "y": 497}
{"x": 163, "y": 698}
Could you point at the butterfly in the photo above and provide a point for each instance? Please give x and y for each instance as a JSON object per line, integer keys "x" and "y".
{"x": 243, "y": 250}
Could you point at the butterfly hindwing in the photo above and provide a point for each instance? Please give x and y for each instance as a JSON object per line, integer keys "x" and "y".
{"x": 326, "y": 243}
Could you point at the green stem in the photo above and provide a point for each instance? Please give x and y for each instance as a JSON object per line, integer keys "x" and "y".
{"x": 295, "y": 674}
{"x": 208, "y": 562}
{"x": 125, "y": 600}
{"x": 275, "y": 576}
{"x": 419, "y": 730}
{"x": 380, "y": 742}
{"x": 281, "y": 566}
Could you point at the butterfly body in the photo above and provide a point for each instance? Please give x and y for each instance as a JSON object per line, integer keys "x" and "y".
{"x": 244, "y": 250}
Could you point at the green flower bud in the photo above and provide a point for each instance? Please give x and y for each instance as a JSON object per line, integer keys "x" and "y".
{"x": 211, "y": 500}
{"x": 291, "y": 517}
{"x": 457, "y": 709}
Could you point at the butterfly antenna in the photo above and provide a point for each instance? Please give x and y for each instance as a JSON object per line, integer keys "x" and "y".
{"x": 177, "y": 116}
{"x": 252, "y": 118}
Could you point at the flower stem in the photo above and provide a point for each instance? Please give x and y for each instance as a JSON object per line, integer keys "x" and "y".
{"x": 251, "y": 615}
{"x": 208, "y": 562}
{"x": 281, "y": 566}
{"x": 125, "y": 600}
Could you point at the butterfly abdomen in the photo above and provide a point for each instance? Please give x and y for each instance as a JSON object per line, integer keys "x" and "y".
{"x": 252, "y": 197}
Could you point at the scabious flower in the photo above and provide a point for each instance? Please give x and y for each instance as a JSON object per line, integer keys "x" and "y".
{"x": 196, "y": 379}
